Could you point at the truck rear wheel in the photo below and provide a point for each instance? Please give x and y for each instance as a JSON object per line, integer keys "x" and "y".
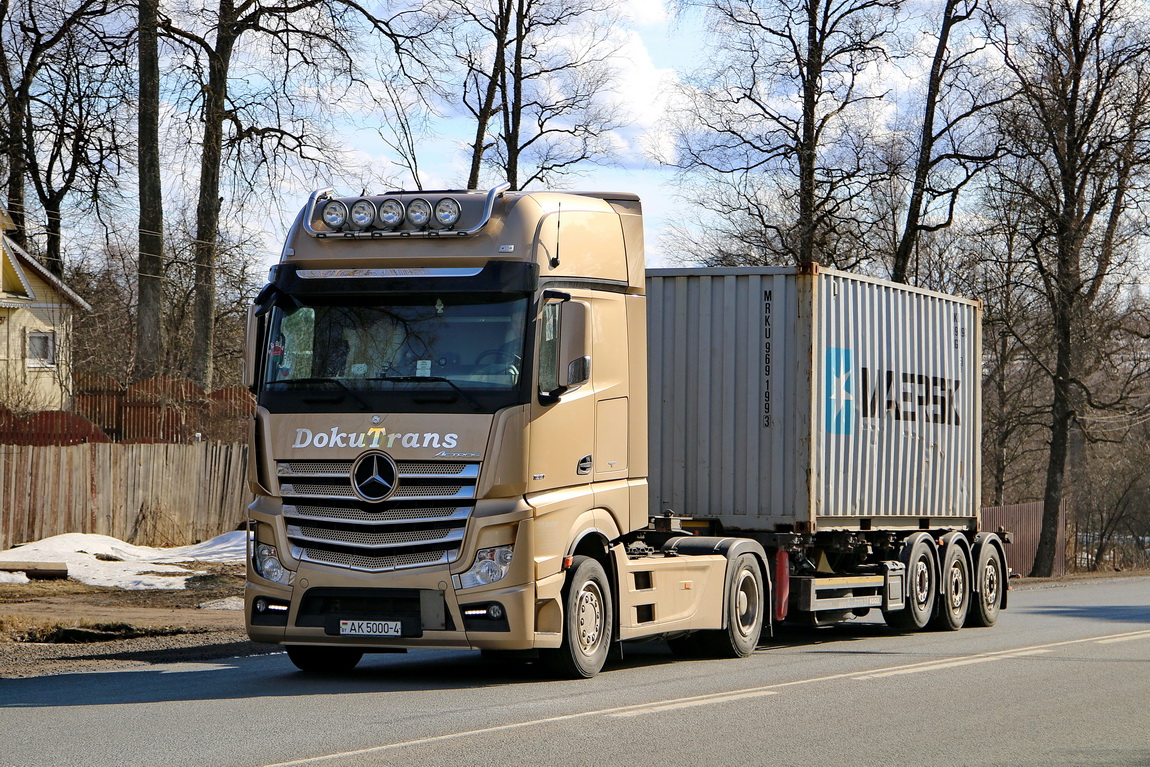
{"x": 988, "y": 601}
{"x": 744, "y": 613}
{"x": 921, "y": 589}
{"x": 588, "y": 618}
{"x": 956, "y": 590}
{"x": 323, "y": 659}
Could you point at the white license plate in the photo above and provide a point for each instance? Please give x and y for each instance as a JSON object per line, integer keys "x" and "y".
{"x": 370, "y": 628}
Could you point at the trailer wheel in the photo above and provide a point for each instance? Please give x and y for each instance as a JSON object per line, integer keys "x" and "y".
{"x": 921, "y": 590}
{"x": 956, "y": 590}
{"x": 588, "y": 619}
{"x": 323, "y": 660}
{"x": 744, "y": 613}
{"x": 988, "y": 601}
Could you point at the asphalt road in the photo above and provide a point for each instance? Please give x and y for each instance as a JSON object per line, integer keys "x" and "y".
{"x": 1063, "y": 679}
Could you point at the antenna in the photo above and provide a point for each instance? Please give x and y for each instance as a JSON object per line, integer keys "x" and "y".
{"x": 558, "y": 238}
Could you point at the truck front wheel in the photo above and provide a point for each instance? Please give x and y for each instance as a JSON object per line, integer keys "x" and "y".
{"x": 323, "y": 660}
{"x": 588, "y": 618}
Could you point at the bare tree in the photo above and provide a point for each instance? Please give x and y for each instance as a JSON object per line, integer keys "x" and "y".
{"x": 309, "y": 40}
{"x": 1079, "y": 138}
{"x": 782, "y": 98}
{"x": 951, "y": 146}
{"x": 29, "y": 33}
{"x": 536, "y": 78}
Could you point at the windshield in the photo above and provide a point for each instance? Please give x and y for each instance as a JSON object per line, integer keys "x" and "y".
{"x": 386, "y": 353}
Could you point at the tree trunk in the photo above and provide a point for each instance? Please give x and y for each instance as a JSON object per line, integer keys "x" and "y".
{"x": 208, "y": 206}
{"x": 808, "y": 151}
{"x": 53, "y": 257}
{"x": 149, "y": 310}
{"x": 925, "y": 150}
{"x": 487, "y": 108}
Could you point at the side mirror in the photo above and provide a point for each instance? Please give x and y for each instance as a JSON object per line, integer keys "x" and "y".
{"x": 252, "y": 339}
{"x": 564, "y": 347}
{"x": 573, "y": 347}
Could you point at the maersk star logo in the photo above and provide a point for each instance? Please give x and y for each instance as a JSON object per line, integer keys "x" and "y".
{"x": 840, "y": 391}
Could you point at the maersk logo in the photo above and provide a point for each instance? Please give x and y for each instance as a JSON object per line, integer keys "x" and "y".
{"x": 840, "y": 391}
{"x": 885, "y": 394}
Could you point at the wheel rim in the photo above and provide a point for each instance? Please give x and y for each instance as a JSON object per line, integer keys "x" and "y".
{"x": 957, "y": 590}
{"x": 990, "y": 585}
{"x": 921, "y": 582}
{"x": 746, "y": 603}
{"x": 589, "y": 614}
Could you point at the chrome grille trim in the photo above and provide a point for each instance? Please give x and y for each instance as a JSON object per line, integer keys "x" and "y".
{"x": 306, "y": 534}
{"x": 388, "y": 517}
{"x": 378, "y": 564}
{"x": 407, "y": 469}
{"x": 423, "y": 492}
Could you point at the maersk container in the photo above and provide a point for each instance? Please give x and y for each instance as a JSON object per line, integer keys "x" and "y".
{"x": 805, "y": 400}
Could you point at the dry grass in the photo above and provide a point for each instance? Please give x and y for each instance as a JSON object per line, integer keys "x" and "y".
{"x": 18, "y": 628}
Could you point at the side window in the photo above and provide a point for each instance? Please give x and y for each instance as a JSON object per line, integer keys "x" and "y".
{"x": 549, "y": 349}
{"x": 41, "y": 349}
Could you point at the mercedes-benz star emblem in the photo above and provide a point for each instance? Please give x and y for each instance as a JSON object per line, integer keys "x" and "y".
{"x": 374, "y": 477}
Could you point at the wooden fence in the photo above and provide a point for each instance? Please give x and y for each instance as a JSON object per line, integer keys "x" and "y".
{"x": 147, "y": 494}
{"x": 1024, "y": 522}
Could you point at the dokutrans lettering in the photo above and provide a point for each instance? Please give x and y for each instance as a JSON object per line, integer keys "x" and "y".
{"x": 375, "y": 437}
{"x": 909, "y": 397}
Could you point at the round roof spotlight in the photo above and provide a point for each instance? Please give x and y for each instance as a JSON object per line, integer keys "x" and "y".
{"x": 335, "y": 215}
{"x": 390, "y": 213}
{"x": 447, "y": 211}
{"x": 362, "y": 214}
{"x": 419, "y": 212}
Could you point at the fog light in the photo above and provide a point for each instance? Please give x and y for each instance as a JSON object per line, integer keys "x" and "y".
{"x": 261, "y": 605}
{"x": 495, "y": 611}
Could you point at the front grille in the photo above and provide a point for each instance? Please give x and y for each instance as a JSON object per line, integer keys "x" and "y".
{"x": 421, "y": 524}
{"x": 376, "y": 564}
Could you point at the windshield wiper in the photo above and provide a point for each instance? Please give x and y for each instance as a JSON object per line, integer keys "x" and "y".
{"x": 434, "y": 379}
{"x": 362, "y": 405}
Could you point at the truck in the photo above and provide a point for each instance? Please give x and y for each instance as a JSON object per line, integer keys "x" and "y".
{"x": 482, "y": 423}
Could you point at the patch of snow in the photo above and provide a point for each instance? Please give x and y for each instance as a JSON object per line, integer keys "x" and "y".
{"x": 140, "y": 567}
{"x": 12, "y": 577}
{"x": 227, "y": 603}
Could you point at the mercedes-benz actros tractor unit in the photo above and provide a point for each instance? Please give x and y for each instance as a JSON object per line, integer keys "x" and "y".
{"x": 483, "y": 424}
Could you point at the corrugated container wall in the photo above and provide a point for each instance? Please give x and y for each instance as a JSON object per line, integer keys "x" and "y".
{"x": 791, "y": 400}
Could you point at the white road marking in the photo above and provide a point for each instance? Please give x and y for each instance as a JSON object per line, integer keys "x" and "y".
{"x": 951, "y": 664}
{"x": 698, "y": 700}
{"x": 652, "y": 708}
{"x": 1126, "y": 638}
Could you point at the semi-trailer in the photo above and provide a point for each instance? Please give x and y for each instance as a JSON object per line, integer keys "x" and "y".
{"x": 482, "y": 423}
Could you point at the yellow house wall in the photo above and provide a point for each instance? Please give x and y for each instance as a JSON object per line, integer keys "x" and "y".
{"x": 34, "y": 388}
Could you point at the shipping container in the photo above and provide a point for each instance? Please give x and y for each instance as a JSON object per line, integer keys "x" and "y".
{"x": 805, "y": 400}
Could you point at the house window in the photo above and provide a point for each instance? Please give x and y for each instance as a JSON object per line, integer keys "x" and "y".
{"x": 41, "y": 349}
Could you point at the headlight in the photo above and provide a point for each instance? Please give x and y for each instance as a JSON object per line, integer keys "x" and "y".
{"x": 447, "y": 211}
{"x": 335, "y": 214}
{"x": 419, "y": 211}
{"x": 362, "y": 214}
{"x": 490, "y": 565}
{"x": 268, "y": 565}
{"x": 390, "y": 213}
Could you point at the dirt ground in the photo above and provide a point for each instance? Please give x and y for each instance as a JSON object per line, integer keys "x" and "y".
{"x": 63, "y": 626}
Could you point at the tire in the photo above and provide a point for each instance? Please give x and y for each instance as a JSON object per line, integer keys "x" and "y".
{"x": 921, "y": 588}
{"x": 744, "y": 608}
{"x": 991, "y": 575}
{"x": 954, "y": 604}
{"x": 588, "y": 621}
{"x": 323, "y": 660}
